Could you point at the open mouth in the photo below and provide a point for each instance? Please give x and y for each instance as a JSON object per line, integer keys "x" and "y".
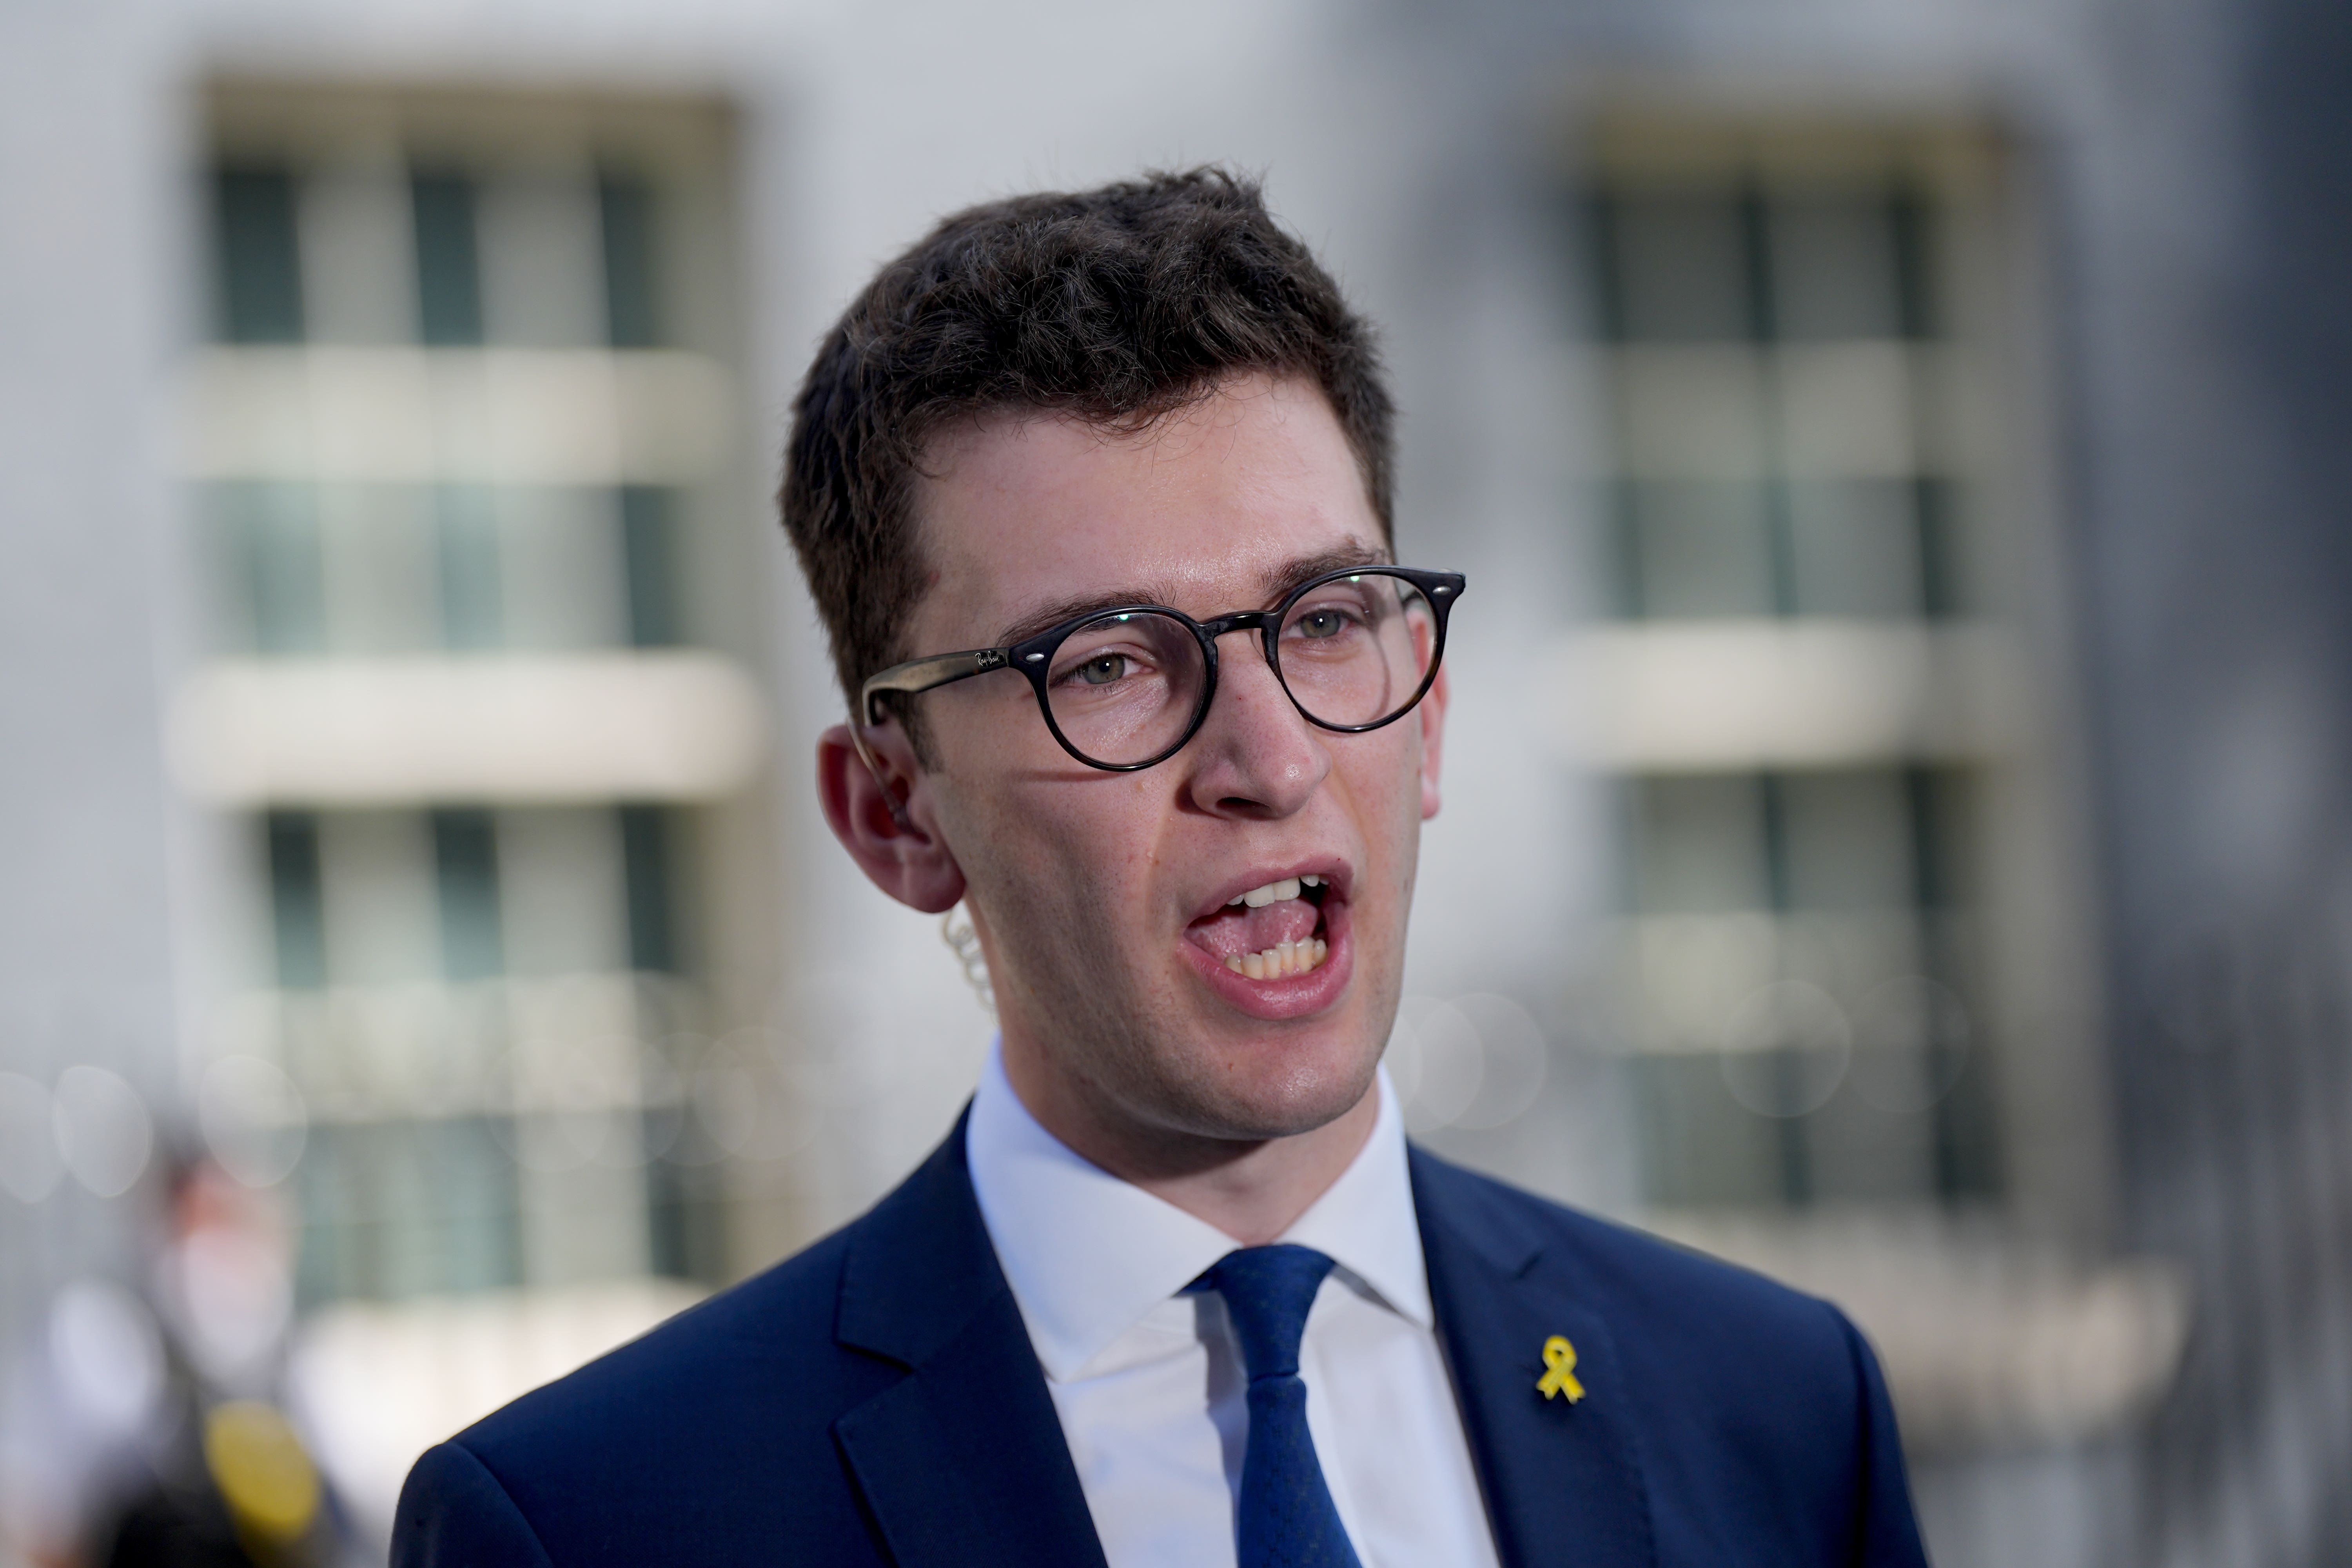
{"x": 1273, "y": 931}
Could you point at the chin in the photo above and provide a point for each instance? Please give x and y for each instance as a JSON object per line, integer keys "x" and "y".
{"x": 1261, "y": 1089}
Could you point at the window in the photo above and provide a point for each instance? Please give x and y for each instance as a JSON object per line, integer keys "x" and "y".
{"x": 1804, "y": 967}
{"x": 461, "y": 453}
{"x": 1815, "y": 658}
{"x": 1784, "y": 445}
{"x": 563, "y": 260}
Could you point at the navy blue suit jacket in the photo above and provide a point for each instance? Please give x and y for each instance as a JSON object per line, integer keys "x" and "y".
{"x": 875, "y": 1400}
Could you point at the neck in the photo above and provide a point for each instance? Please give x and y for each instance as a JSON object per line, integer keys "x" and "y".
{"x": 1251, "y": 1189}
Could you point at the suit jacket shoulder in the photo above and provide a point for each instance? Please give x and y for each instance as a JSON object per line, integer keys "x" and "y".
{"x": 872, "y": 1399}
{"x": 734, "y": 1397}
{"x": 1751, "y": 1419}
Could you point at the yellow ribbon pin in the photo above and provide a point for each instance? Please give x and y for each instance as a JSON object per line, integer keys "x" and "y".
{"x": 1561, "y": 1357}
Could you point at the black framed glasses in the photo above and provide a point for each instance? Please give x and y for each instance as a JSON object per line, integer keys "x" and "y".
{"x": 1123, "y": 688}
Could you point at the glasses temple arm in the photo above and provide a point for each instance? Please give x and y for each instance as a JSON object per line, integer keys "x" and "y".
{"x": 914, "y": 675}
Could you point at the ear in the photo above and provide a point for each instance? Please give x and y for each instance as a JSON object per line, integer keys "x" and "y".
{"x": 1432, "y": 714}
{"x": 886, "y": 822}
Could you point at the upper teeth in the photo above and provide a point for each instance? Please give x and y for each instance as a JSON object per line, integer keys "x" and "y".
{"x": 1258, "y": 897}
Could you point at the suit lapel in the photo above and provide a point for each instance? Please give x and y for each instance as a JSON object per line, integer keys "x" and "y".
{"x": 962, "y": 1461}
{"x": 1562, "y": 1481}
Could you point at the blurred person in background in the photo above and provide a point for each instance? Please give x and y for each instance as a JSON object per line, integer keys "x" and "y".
{"x": 1176, "y": 1290}
{"x": 164, "y": 1444}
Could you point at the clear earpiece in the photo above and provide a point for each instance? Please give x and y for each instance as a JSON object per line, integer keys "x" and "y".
{"x": 964, "y": 942}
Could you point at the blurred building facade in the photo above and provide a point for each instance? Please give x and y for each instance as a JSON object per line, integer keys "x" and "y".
{"x": 1895, "y": 792}
{"x": 458, "y": 491}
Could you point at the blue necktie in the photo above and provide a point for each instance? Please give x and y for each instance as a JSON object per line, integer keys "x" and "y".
{"x": 1286, "y": 1518}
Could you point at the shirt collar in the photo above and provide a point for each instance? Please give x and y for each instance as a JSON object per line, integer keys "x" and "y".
{"x": 1089, "y": 1254}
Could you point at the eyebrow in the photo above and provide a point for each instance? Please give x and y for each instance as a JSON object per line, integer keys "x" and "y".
{"x": 1274, "y": 583}
{"x": 1283, "y": 578}
{"x": 1046, "y": 616}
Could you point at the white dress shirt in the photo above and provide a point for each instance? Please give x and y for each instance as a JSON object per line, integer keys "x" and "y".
{"x": 1148, "y": 1381}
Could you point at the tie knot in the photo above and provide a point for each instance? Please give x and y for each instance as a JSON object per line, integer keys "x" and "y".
{"x": 1267, "y": 1293}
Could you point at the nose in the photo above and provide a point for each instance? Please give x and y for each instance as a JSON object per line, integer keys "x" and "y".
{"x": 1256, "y": 756}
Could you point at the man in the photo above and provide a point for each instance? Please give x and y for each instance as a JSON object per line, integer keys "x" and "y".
{"x": 1093, "y": 491}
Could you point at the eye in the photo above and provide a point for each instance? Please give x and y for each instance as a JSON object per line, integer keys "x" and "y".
{"x": 1326, "y": 623}
{"x": 1101, "y": 667}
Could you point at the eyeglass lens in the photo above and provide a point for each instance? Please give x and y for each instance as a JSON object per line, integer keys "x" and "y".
{"x": 1353, "y": 651}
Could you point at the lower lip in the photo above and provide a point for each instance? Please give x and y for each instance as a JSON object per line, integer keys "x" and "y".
{"x": 1294, "y": 995}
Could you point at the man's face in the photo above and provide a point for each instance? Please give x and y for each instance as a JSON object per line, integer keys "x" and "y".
{"x": 1103, "y": 899}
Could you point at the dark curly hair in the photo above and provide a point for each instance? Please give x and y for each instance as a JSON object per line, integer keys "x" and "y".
{"x": 1117, "y": 305}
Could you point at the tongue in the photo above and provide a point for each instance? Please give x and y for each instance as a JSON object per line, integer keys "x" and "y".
{"x": 1231, "y": 932}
